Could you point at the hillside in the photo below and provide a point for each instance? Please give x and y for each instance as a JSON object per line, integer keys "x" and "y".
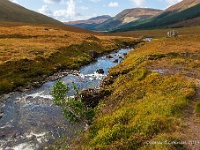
{"x": 152, "y": 101}
{"x": 185, "y": 4}
{"x": 177, "y": 15}
{"x": 135, "y": 15}
{"x": 90, "y": 23}
{"x": 11, "y": 12}
{"x": 29, "y": 53}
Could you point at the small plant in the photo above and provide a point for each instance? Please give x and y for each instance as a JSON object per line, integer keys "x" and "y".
{"x": 197, "y": 107}
{"x": 73, "y": 108}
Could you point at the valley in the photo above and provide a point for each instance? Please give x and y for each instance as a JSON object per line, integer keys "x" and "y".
{"x": 141, "y": 87}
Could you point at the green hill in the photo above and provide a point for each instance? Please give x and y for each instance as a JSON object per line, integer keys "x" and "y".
{"x": 173, "y": 15}
{"x": 11, "y": 12}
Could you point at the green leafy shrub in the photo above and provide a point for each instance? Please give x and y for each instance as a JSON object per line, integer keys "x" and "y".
{"x": 73, "y": 108}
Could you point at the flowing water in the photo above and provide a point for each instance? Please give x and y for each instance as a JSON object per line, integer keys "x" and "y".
{"x": 30, "y": 120}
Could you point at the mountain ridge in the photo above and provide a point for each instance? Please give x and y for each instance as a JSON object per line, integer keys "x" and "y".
{"x": 177, "y": 15}
{"x": 122, "y": 18}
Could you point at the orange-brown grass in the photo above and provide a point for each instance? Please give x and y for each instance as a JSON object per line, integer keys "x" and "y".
{"x": 28, "y": 52}
{"x": 159, "y": 33}
{"x": 151, "y": 89}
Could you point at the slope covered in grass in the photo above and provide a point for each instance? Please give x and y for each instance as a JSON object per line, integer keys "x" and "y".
{"x": 177, "y": 16}
{"x": 12, "y": 12}
{"x": 150, "y": 91}
{"x": 29, "y": 53}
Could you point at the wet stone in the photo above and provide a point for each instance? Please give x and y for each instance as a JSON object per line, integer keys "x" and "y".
{"x": 100, "y": 71}
{"x": 93, "y": 53}
{"x": 109, "y": 56}
{"x": 115, "y": 61}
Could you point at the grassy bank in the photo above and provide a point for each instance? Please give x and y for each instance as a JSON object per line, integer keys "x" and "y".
{"x": 30, "y": 53}
{"x": 151, "y": 91}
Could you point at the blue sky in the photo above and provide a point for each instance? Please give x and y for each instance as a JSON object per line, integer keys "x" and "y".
{"x": 70, "y": 10}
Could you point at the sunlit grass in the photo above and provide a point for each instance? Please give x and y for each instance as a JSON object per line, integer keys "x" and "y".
{"x": 151, "y": 90}
{"x": 31, "y": 52}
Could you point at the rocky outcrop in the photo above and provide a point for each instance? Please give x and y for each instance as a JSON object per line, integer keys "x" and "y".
{"x": 91, "y": 97}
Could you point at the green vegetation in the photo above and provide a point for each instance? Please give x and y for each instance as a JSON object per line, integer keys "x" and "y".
{"x": 148, "y": 98}
{"x": 30, "y": 53}
{"x": 165, "y": 19}
{"x": 197, "y": 107}
{"x": 73, "y": 108}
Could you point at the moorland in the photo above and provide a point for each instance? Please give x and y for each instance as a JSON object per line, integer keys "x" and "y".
{"x": 153, "y": 98}
{"x": 154, "y": 93}
{"x": 30, "y": 53}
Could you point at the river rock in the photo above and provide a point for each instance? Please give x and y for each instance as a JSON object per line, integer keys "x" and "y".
{"x": 100, "y": 71}
{"x": 109, "y": 56}
{"x": 115, "y": 61}
{"x": 1, "y": 115}
{"x": 2, "y": 107}
{"x": 60, "y": 67}
{"x": 107, "y": 81}
{"x": 91, "y": 97}
{"x": 93, "y": 54}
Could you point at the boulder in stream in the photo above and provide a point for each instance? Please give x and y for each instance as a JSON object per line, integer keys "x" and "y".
{"x": 2, "y": 107}
{"x": 115, "y": 61}
{"x": 109, "y": 56}
{"x": 93, "y": 54}
{"x": 100, "y": 71}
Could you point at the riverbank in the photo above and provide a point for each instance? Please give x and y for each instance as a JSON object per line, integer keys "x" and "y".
{"x": 30, "y": 54}
{"x": 30, "y": 120}
{"x": 150, "y": 93}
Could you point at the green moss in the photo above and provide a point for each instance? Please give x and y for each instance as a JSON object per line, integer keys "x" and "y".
{"x": 197, "y": 107}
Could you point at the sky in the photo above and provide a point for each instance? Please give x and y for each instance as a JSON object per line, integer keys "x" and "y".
{"x": 71, "y": 10}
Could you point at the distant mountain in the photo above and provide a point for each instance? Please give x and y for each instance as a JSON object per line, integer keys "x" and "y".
{"x": 135, "y": 15}
{"x": 109, "y": 23}
{"x": 90, "y": 23}
{"x": 11, "y": 12}
{"x": 185, "y": 4}
{"x": 185, "y": 13}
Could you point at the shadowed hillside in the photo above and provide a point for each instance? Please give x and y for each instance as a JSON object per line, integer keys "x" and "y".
{"x": 12, "y": 12}
{"x": 185, "y": 13}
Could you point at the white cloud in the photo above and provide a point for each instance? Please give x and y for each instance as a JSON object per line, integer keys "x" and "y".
{"x": 95, "y": 1}
{"x": 113, "y": 4}
{"x": 84, "y": 8}
{"x": 68, "y": 14}
{"x": 51, "y": 1}
{"x": 172, "y": 2}
{"x": 14, "y": 1}
{"x": 45, "y": 10}
{"x": 138, "y": 3}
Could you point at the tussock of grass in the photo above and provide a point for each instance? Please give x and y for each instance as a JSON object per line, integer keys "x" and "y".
{"x": 146, "y": 105}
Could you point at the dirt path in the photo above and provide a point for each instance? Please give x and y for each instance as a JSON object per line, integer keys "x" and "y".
{"x": 192, "y": 122}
